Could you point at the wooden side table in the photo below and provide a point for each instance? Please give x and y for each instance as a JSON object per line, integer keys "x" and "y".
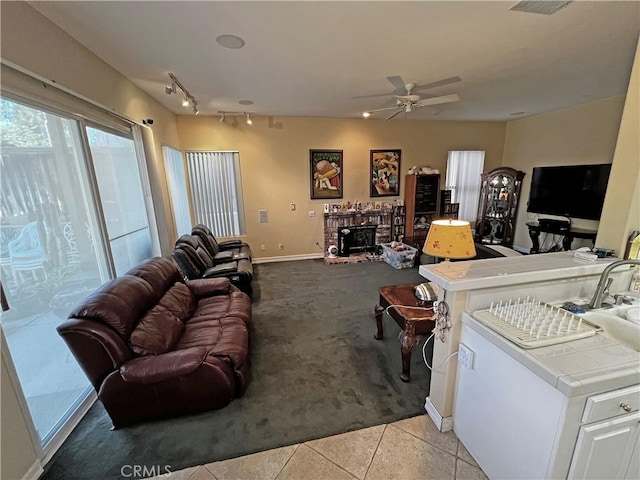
{"x": 413, "y": 322}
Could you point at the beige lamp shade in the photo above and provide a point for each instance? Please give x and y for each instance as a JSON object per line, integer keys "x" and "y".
{"x": 450, "y": 239}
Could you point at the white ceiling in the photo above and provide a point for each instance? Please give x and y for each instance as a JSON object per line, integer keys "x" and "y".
{"x": 310, "y": 58}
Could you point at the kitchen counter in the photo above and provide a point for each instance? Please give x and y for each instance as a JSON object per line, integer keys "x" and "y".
{"x": 578, "y": 367}
{"x": 497, "y": 272}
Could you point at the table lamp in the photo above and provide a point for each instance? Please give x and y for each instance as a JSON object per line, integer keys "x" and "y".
{"x": 450, "y": 239}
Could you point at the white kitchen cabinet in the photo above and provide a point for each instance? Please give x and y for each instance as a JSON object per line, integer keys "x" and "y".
{"x": 519, "y": 420}
{"x": 604, "y": 449}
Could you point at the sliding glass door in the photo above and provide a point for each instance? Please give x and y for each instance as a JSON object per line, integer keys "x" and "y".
{"x": 72, "y": 216}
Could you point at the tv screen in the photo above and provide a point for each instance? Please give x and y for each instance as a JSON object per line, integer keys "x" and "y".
{"x": 575, "y": 191}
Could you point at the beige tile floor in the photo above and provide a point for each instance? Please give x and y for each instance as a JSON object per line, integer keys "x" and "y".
{"x": 411, "y": 449}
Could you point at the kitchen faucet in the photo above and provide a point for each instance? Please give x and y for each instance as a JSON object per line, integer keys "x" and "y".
{"x": 605, "y": 281}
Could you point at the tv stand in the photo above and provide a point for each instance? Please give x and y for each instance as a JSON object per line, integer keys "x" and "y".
{"x": 560, "y": 228}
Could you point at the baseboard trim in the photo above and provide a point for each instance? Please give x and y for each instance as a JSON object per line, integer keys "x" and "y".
{"x": 288, "y": 258}
{"x": 34, "y": 471}
{"x": 443, "y": 424}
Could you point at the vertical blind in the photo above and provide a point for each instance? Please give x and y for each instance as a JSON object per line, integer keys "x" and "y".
{"x": 177, "y": 183}
{"x": 216, "y": 191}
{"x": 463, "y": 179}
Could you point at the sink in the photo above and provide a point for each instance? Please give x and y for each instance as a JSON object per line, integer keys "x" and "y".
{"x": 622, "y": 330}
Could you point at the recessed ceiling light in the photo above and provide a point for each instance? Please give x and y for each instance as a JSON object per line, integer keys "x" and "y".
{"x": 245, "y": 102}
{"x": 230, "y": 41}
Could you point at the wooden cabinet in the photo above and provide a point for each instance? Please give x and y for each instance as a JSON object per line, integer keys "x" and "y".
{"x": 498, "y": 206}
{"x": 422, "y": 203}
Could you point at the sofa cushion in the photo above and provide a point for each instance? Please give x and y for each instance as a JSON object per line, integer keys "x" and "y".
{"x": 229, "y": 340}
{"x": 157, "y": 332}
{"x": 234, "y": 305}
{"x": 179, "y": 301}
{"x": 119, "y": 303}
{"x": 159, "y": 272}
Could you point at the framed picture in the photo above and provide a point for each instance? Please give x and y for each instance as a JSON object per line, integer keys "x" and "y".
{"x": 385, "y": 173}
{"x": 326, "y": 173}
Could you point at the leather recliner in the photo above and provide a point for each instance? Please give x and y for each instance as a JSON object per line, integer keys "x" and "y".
{"x": 233, "y": 249}
{"x": 194, "y": 261}
{"x": 153, "y": 345}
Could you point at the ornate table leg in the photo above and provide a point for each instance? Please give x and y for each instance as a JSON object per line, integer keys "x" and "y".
{"x": 534, "y": 233}
{"x": 378, "y": 311}
{"x": 408, "y": 340}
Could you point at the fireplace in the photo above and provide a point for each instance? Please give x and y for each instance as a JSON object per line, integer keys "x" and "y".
{"x": 356, "y": 239}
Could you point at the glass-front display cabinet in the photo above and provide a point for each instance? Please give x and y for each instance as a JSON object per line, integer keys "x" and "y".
{"x": 498, "y": 206}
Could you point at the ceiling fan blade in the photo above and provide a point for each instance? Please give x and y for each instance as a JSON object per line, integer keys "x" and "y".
{"x": 399, "y": 84}
{"x": 399, "y": 111}
{"x": 372, "y": 96}
{"x": 382, "y": 109}
{"x": 439, "y": 83}
{"x": 438, "y": 100}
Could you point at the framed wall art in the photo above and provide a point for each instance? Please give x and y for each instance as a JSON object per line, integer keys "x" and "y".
{"x": 326, "y": 173}
{"x": 385, "y": 173}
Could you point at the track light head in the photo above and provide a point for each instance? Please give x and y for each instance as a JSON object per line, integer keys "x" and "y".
{"x": 195, "y": 109}
{"x": 249, "y": 121}
{"x": 169, "y": 89}
{"x": 222, "y": 118}
{"x": 185, "y": 101}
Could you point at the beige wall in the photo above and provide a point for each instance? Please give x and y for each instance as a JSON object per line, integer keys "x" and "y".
{"x": 274, "y": 157}
{"x": 582, "y": 134}
{"x": 621, "y": 212}
{"x": 17, "y": 454}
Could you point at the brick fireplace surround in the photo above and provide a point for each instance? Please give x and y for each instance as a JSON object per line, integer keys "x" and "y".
{"x": 333, "y": 222}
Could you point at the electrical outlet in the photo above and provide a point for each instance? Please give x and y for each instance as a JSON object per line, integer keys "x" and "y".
{"x": 465, "y": 356}
{"x": 263, "y": 248}
{"x": 312, "y": 213}
{"x": 292, "y": 206}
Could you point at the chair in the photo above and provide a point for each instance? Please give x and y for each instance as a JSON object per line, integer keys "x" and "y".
{"x": 195, "y": 261}
{"x": 26, "y": 252}
{"x": 230, "y": 249}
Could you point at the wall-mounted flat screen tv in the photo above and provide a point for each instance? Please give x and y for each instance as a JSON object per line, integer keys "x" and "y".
{"x": 575, "y": 191}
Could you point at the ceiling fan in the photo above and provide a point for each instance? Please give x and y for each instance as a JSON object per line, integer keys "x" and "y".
{"x": 411, "y": 101}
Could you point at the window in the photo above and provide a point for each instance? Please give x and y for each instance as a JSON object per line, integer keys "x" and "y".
{"x": 463, "y": 179}
{"x": 120, "y": 186}
{"x": 177, "y": 184}
{"x": 216, "y": 191}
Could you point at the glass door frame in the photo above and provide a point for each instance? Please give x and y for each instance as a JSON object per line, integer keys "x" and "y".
{"x": 46, "y": 447}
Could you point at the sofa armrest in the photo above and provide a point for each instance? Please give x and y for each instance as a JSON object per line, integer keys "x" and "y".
{"x": 206, "y": 287}
{"x": 230, "y": 244}
{"x": 156, "y": 368}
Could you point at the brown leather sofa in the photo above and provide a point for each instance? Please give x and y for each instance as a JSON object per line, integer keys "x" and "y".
{"x": 155, "y": 346}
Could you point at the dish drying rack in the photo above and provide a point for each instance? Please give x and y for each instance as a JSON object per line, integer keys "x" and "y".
{"x": 530, "y": 323}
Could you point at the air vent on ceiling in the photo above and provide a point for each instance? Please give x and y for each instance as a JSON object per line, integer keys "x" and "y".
{"x": 544, "y": 7}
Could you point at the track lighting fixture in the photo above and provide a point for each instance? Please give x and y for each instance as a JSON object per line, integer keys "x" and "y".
{"x": 187, "y": 98}
{"x": 224, "y": 114}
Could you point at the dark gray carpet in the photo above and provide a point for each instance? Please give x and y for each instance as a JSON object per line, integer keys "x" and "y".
{"x": 317, "y": 371}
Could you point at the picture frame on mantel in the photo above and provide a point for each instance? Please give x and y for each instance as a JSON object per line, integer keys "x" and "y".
{"x": 385, "y": 173}
{"x": 326, "y": 174}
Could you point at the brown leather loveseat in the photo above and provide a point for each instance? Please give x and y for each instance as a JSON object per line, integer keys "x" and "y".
{"x": 154, "y": 346}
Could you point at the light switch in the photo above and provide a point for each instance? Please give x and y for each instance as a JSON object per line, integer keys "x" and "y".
{"x": 264, "y": 217}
